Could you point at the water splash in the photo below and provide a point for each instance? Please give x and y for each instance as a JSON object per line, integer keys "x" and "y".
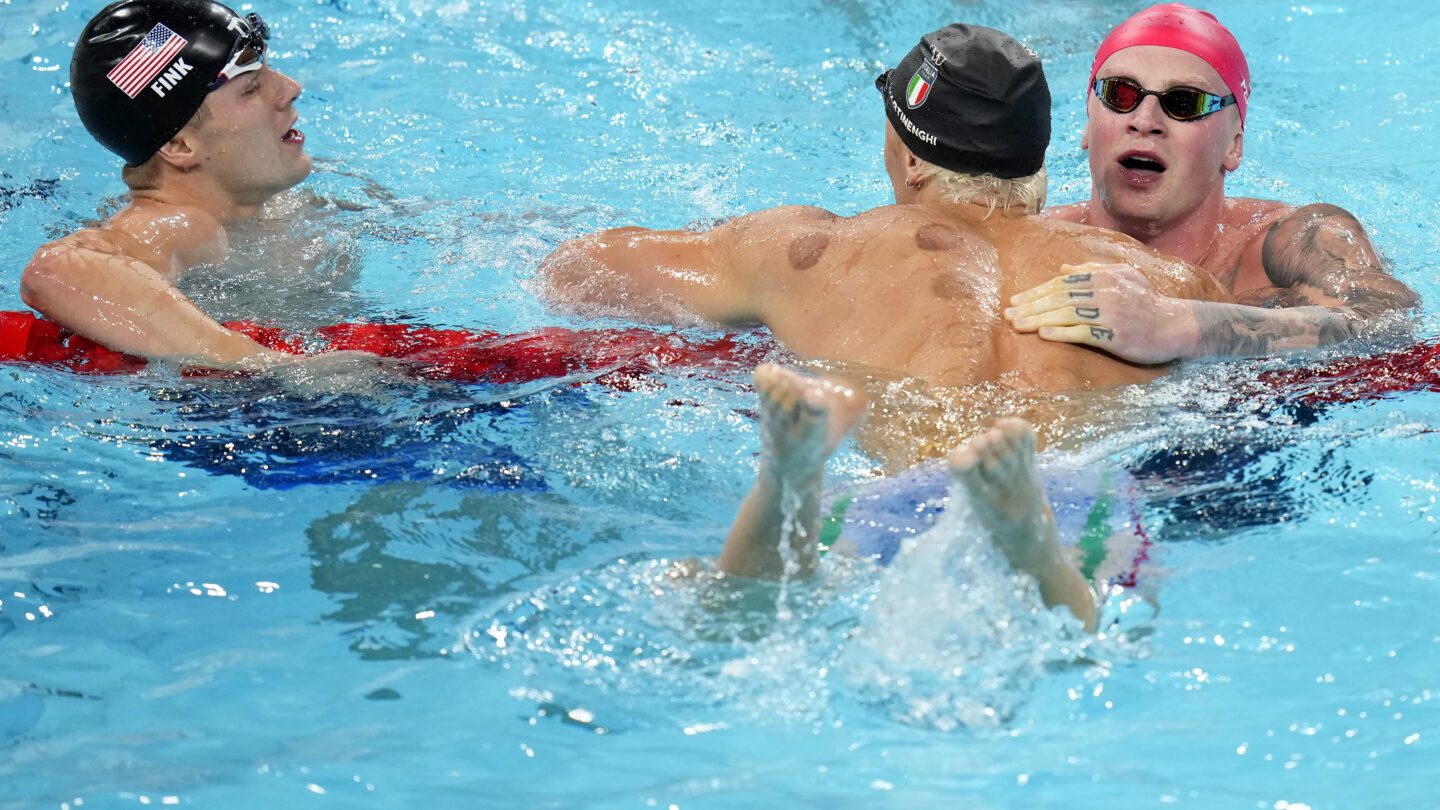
{"x": 954, "y": 638}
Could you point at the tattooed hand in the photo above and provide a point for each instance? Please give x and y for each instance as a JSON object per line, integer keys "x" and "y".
{"x": 1111, "y": 307}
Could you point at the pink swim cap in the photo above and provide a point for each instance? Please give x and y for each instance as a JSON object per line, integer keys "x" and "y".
{"x": 1175, "y": 25}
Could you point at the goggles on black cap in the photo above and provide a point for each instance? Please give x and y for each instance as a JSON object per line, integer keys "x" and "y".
{"x": 249, "y": 53}
{"x": 972, "y": 100}
{"x": 143, "y": 67}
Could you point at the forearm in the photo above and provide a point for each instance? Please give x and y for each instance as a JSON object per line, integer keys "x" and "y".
{"x": 775, "y": 508}
{"x": 124, "y": 305}
{"x": 1237, "y": 330}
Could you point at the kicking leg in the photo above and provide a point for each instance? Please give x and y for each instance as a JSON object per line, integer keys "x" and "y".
{"x": 802, "y": 421}
{"x": 997, "y": 470}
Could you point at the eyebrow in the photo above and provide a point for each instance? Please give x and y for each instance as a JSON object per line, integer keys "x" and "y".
{"x": 1186, "y": 80}
{"x": 1190, "y": 81}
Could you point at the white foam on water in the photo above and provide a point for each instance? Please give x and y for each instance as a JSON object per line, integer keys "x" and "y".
{"x": 954, "y": 638}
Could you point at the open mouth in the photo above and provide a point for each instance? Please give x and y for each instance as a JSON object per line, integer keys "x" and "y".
{"x": 293, "y": 136}
{"x": 1142, "y": 163}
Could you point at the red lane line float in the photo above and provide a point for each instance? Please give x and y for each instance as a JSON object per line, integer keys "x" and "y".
{"x": 621, "y": 357}
{"x": 1414, "y": 368}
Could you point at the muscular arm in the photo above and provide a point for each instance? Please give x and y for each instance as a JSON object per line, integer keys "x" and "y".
{"x": 91, "y": 283}
{"x": 718, "y": 275}
{"x": 1327, "y": 285}
{"x": 653, "y": 276}
{"x": 1327, "y": 279}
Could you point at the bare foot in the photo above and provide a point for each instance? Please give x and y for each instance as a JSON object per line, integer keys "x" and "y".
{"x": 997, "y": 470}
{"x": 802, "y": 420}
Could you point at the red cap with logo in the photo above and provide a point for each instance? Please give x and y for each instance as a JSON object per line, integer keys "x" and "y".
{"x": 1175, "y": 25}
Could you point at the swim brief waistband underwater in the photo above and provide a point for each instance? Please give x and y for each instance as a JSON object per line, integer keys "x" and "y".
{"x": 1091, "y": 510}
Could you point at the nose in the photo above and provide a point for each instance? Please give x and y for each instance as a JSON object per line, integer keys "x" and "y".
{"x": 1148, "y": 118}
{"x": 287, "y": 89}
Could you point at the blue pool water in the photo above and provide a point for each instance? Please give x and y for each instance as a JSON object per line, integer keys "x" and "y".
{"x": 371, "y": 593}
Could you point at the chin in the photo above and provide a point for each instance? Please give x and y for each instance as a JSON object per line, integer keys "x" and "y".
{"x": 1132, "y": 210}
{"x": 301, "y": 172}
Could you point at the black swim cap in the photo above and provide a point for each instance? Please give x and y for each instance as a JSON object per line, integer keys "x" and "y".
{"x": 143, "y": 67}
{"x": 972, "y": 100}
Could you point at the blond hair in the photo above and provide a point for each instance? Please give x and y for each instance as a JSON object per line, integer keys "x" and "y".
{"x": 1027, "y": 194}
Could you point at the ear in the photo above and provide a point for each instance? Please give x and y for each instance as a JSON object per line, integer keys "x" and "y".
{"x": 912, "y": 167}
{"x": 1236, "y": 153}
{"x": 180, "y": 151}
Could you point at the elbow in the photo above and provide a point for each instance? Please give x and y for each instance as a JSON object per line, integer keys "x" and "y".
{"x": 576, "y": 261}
{"x": 563, "y": 275}
{"x": 1407, "y": 300}
{"x": 42, "y": 282}
{"x": 558, "y": 266}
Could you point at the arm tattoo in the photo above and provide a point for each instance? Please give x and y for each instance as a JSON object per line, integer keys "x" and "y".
{"x": 1239, "y": 331}
{"x": 1324, "y": 248}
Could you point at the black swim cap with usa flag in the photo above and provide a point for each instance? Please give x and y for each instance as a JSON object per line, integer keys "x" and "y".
{"x": 143, "y": 67}
{"x": 972, "y": 100}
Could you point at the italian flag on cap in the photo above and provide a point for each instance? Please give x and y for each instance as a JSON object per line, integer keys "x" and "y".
{"x": 919, "y": 88}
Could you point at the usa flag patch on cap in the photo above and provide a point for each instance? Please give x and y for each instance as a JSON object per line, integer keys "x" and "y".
{"x": 144, "y": 63}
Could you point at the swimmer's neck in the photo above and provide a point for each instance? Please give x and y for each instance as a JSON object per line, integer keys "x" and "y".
{"x": 1190, "y": 236}
{"x": 971, "y": 213}
{"x": 198, "y": 192}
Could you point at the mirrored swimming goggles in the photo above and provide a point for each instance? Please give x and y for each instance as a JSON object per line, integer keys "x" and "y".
{"x": 249, "y": 52}
{"x": 1180, "y": 103}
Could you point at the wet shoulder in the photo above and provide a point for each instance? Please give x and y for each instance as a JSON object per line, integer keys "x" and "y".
{"x": 1248, "y": 215}
{"x": 1072, "y": 241}
{"x": 169, "y": 236}
{"x": 802, "y": 234}
{"x": 1053, "y": 243}
{"x": 1075, "y": 212}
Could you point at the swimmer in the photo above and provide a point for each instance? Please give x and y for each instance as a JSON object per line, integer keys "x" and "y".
{"x": 182, "y": 91}
{"x": 1165, "y": 123}
{"x": 802, "y": 421}
{"x": 915, "y": 287}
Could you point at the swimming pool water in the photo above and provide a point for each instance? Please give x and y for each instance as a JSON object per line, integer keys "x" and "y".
{"x": 295, "y": 592}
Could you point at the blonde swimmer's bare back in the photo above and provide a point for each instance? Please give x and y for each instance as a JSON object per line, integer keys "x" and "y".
{"x": 914, "y": 291}
{"x": 920, "y": 291}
